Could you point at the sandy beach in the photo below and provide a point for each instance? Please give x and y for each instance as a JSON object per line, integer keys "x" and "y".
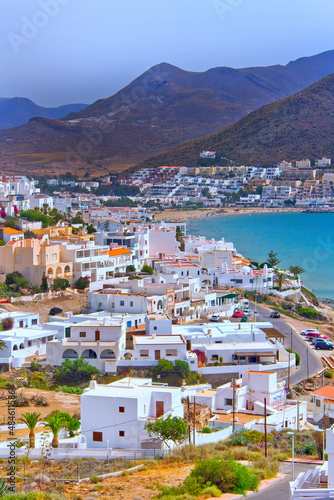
{"x": 184, "y": 215}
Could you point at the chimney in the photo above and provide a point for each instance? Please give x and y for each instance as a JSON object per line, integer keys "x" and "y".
{"x": 93, "y": 385}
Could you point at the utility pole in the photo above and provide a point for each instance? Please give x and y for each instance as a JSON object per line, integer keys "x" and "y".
{"x": 265, "y": 429}
{"x": 233, "y": 405}
{"x": 298, "y": 415}
{"x": 194, "y": 421}
{"x": 291, "y": 341}
{"x": 308, "y": 368}
{"x": 188, "y": 419}
{"x": 289, "y": 372}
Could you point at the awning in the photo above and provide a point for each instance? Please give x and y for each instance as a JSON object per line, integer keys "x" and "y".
{"x": 229, "y": 296}
{"x": 263, "y": 354}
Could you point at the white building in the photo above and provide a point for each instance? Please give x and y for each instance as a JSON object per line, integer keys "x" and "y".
{"x": 114, "y": 415}
{"x": 99, "y": 340}
{"x": 323, "y": 407}
{"x": 249, "y": 396}
{"x": 246, "y": 278}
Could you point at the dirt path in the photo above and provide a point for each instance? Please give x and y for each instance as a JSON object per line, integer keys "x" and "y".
{"x": 73, "y": 303}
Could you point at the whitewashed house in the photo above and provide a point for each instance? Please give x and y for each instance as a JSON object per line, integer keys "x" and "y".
{"x": 114, "y": 415}
{"x": 323, "y": 407}
{"x": 249, "y": 395}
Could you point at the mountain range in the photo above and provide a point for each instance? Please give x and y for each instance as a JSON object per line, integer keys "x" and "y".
{"x": 18, "y": 110}
{"x": 296, "y": 127}
{"x": 157, "y": 112}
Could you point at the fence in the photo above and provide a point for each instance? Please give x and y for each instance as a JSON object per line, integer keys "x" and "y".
{"x": 91, "y": 453}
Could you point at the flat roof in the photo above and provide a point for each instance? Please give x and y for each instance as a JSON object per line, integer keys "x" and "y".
{"x": 158, "y": 339}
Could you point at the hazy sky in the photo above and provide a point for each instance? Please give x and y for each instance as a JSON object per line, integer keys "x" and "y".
{"x": 63, "y": 51}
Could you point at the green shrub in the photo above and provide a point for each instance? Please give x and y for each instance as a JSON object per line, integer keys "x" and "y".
{"x": 296, "y": 354}
{"x": 70, "y": 390}
{"x": 20, "y": 400}
{"x": 213, "y": 491}
{"x": 254, "y": 436}
{"x": 238, "y": 439}
{"x": 328, "y": 374}
{"x": 76, "y": 370}
{"x": 206, "y": 430}
{"x": 228, "y": 475}
{"x": 94, "y": 479}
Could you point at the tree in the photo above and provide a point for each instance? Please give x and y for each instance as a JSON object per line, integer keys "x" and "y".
{"x": 296, "y": 270}
{"x": 147, "y": 269}
{"x": 10, "y": 223}
{"x": 2, "y": 243}
{"x": 169, "y": 429}
{"x": 76, "y": 370}
{"x": 60, "y": 284}
{"x": 55, "y": 422}
{"x": 182, "y": 367}
{"x": 130, "y": 268}
{"x": 44, "y": 284}
{"x": 164, "y": 367}
{"x": 16, "y": 281}
{"x": 179, "y": 238}
{"x": 72, "y": 423}
{"x": 82, "y": 283}
{"x": 272, "y": 260}
{"x": 29, "y": 235}
{"x": 91, "y": 229}
{"x": 31, "y": 420}
{"x": 281, "y": 279}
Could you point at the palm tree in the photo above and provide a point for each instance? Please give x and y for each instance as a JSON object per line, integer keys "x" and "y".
{"x": 280, "y": 279}
{"x": 31, "y": 420}
{"x": 55, "y": 423}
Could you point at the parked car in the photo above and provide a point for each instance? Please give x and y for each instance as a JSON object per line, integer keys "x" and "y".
{"x": 238, "y": 314}
{"x": 55, "y": 310}
{"x": 311, "y": 330}
{"x": 247, "y": 312}
{"x": 215, "y": 317}
{"x": 313, "y": 335}
{"x": 323, "y": 344}
{"x": 322, "y": 337}
{"x": 275, "y": 314}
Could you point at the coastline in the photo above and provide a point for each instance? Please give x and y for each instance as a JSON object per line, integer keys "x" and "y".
{"x": 202, "y": 213}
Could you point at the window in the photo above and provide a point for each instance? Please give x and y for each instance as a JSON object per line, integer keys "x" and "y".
{"x": 18, "y": 256}
{"x": 121, "y": 303}
{"x": 34, "y": 322}
{"x": 113, "y": 305}
{"x": 171, "y": 352}
{"x": 67, "y": 333}
{"x": 29, "y": 343}
{"x": 155, "y": 328}
{"x": 82, "y": 334}
{"x": 228, "y": 402}
{"x": 238, "y": 281}
{"x": 121, "y": 409}
{"x": 28, "y": 270}
{"x": 131, "y": 303}
{"x": 98, "y": 437}
{"x": 121, "y": 433}
{"x": 143, "y": 352}
{"x": 317, "y": 402}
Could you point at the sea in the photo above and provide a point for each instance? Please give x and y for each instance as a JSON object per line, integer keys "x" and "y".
{"x": 303, "y": 239}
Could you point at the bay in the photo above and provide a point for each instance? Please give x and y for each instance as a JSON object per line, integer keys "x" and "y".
{"x": 300, "y": 239}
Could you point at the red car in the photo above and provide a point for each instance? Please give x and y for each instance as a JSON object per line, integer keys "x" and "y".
{"x": 238, "y": 314}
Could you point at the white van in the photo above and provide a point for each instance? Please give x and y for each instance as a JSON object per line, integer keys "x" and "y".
{"x": 244, "y": 303}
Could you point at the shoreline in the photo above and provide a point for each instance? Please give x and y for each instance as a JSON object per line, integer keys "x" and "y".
{"x": 203, "y": 213}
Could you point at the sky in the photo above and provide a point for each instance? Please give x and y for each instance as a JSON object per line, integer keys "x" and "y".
{"x": 57, "y": 52}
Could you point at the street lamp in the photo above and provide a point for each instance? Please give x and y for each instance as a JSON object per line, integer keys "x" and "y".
{"x": 293, "y": 453}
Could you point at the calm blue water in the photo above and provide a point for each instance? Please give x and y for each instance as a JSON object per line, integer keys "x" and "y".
{"x": 306, "y": 240}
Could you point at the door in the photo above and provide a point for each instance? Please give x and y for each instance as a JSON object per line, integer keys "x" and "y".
{"x": 97, "y": 335}
{"x": 160, "y": 408}
{"x": 157, "y": 355}
{"x": 21, "y": 324}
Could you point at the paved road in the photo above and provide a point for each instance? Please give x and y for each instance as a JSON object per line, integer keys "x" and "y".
{"x": 310, "y": 363}
{"x": 281, "y": 491}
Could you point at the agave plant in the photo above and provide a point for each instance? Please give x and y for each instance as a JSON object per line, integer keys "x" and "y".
{"x": 3, "y": 488}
